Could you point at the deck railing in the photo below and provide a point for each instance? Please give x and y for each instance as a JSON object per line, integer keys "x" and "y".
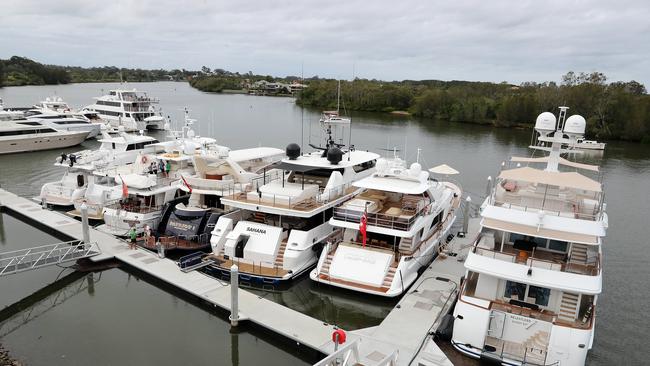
{"x": 239, "y": 192}
{"x": 402, "y": 223}
{"x": 592, "y": 266}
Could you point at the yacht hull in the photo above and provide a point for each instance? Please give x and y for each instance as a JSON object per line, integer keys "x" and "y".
{"x": 38, "y": 143}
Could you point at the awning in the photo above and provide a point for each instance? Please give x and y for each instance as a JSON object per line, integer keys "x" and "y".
{"x": 541, "y": 233}
{"x": 562, "y": 161}
{"x": 562, "y": 179}
{"x": 443, "y": 169}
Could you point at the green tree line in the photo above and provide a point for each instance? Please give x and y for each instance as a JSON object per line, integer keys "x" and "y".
{"x": 17, "y": 71}
{"x": 614, "y": 110}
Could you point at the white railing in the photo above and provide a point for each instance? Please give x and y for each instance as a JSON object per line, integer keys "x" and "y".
{"x": 239, "y": 192}
{"x": 45, "y": 255}
{"x": 380, "y": 220}
{"x": 344, "y": 356}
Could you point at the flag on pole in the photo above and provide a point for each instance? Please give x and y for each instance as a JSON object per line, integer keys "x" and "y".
{"x": 363, "y": 225}
{"x": 125, "y": 188}
{"x": 186, "y": 184}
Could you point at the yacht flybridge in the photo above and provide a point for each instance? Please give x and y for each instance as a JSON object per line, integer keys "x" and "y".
{"x": 131, "y": 109}
{"x": 534, "y": 274}
{"x": 406, "y": 216}
{"x": 282, "y": 221}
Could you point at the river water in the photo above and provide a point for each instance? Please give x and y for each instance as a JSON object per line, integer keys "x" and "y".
{"x": 119, "y": 317}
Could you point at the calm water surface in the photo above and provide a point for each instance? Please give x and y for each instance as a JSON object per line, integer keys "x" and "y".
{"x": 125, "y": 319}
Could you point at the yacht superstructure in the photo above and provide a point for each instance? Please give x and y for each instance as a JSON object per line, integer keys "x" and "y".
{"x": 131, "y": 109}
{"x": 534, "y": 273}
{"x": 80, "y": 165}
{"x": 406, "y": 216}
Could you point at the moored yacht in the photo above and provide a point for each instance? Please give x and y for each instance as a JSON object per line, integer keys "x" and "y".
{"x": 534, "y": 275}
{"x": 391, "y": 228}
{"x": 64, "y": 122}
{"x": 282, "y": 221}
{"x": 144, "y": 191}
{"x": 131, "y": 109}
{"x": 80, "y": 165}
{"x": 56, "y": 104}
{"x": 23, "y": 135}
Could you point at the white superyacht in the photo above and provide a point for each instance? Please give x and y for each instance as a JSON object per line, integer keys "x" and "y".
{"x": 282, "y": 221}
{"x": 534, "y": 275}
{"x": 406, "y": 214}
{"x": 130, "y": 109}
{"x": 22, "y": 135}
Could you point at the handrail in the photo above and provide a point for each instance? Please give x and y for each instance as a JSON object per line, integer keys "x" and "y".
{"x": 379, "y": 219}
{"x": 344, "y": 356}
{"x": 564, "y": 265}
{"x": 134, "y": 208}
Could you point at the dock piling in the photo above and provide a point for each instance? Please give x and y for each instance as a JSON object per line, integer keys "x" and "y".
{"x": 234, "y": 295}
{"x": 468, "y": 202}
{"x": 84, "y": 222}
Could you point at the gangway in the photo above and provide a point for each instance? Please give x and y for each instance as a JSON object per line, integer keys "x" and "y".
{"x": 46, "y": 255}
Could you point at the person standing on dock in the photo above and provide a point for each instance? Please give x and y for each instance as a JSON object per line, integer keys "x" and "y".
{"x": 161, "y": 167}
{"x": 168, "y": 168}
{"x": 133, "y": 235}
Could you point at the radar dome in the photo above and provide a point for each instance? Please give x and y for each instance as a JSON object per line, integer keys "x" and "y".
{"x": 293, "y": 151}
{"x": 575, "y": 125}
{"x": 545, "y": 123}
{"x": 334, "y": 155}
{"x": 415, "y": 169}
{"x": 381, "y": 164}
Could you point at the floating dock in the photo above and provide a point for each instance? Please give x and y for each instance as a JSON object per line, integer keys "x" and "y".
{"x": 403, "y": 336}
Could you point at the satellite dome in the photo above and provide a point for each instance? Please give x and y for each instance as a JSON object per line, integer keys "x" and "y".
{"x": 415, "y": 169}
{"x": 190, "y": 133}
{"x": 575, "y": 125}
{"x": 334, "y": 155}
{"x": 381, "y": 164}
{"x": 545, "y": 122}
{"x": 293, "y": 151}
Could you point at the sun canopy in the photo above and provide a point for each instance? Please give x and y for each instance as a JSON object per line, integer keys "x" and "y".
{"x": 443, "y": 169}
{"x": 562, "y": 161}
{"x": 563, "y": 179}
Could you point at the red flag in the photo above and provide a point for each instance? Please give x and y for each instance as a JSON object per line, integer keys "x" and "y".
{"x": 125, "y": 188}
{"x": 362, "y": 226}
{"x": 186, "y": 184}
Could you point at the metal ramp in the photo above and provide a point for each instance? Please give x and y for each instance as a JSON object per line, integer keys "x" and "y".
{"x": 46, "y": 255}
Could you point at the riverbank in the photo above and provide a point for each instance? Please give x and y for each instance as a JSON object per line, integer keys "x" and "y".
{"x": 6, "y": 359}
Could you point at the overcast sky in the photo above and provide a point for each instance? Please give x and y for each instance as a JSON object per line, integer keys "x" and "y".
{"x": 491, "y": 40}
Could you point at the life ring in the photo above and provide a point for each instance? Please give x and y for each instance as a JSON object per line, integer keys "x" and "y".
{"x": 144, "y": 159}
